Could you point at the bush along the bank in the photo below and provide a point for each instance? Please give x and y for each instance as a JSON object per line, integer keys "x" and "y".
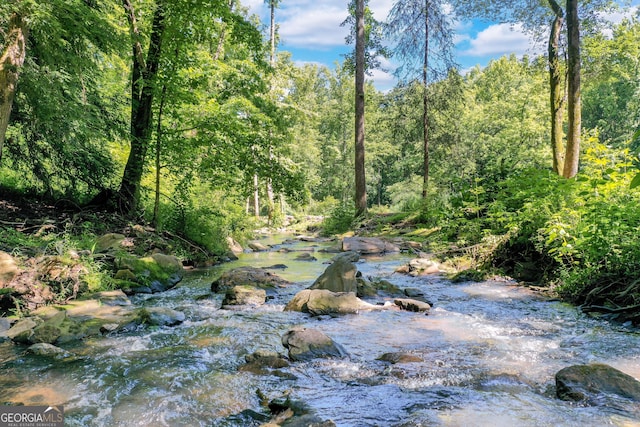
{"x": 577, "y": 235}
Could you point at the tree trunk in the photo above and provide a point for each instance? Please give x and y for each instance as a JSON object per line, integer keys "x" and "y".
{"x": 142, "y": 93}
{"x": 272, "y": 34}
{"x": 574, "y": 106}
{"x": 361, "y": 189}
{"x": 11, "y": 60}
{"x": 556, "y": 89}
{"x": 425, "y": 104}
{"x": 256, "y": 196}
{"x": 272, "y": 62}
{"x": 156, "y": 204}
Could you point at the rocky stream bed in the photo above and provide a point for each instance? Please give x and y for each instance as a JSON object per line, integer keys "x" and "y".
{"x": 314, "y": 332}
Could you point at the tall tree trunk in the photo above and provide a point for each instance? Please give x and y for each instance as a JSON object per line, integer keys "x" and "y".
{"x": 361, "y": 189}
{"x": 272, "y": 34}
{"x": 425, "y": 104}
{"x": 272, "y": 62}
{"x": 556, "y": 89}
{"x": 574, "y": 106}
{"x": 11, "y": 60}
{"x": 156, "y": 204}
{"x": 142, "y": 93}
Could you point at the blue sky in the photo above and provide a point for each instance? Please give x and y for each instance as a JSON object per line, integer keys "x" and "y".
{"x": 311, "y": 31}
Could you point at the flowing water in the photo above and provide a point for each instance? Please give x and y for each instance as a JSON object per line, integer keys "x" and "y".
{"x": 490, "y": 351}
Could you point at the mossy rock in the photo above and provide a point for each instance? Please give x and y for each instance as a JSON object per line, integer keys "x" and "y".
{"x": 22, "y": 331}
{"x": 155, "y": 273}
{"x": 109, "y": 242}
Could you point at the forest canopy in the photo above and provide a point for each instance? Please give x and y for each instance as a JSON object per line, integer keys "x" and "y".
{"x": 186, "y": 114}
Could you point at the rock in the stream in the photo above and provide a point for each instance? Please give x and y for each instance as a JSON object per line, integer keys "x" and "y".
{"x": 420, "y": 267}
{"x": 368, "y": 245}
{"x": 371, "y": 288}
{"x": 318, "y": 302}
{"x": 257, "y": 246}
{"x": 293, "y": 413}
{"x": 585, "y": 382}
{"x": 276, "y": 267}
{"x": 338, "y": 277}
{"x": 22, "y": 331}
{"x": 112, "y": 298}
{"x": 262, "y": 362}
{"x": 245, "y": 295}
{"x": 306, "y": 256}
{"x": 50, "y": 330}
{"x": 48, "y": 350}
{"x": 251, "y": 276}
{"x": 307, "y": 344}
{"x": 161, "y": 316}
{"x": 412, "y": 305}
{"x": 234, "y": 246}
{"x": 400, "y": 357}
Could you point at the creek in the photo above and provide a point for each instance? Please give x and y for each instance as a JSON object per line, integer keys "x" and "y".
{"x": 489, "y": 354}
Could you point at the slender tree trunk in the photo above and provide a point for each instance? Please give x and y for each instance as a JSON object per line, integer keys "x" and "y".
{"x": 556, "y": 89}
{"x": 574, "y": 104}
{"x": 361, "y": 189}
{"x": 142, "y": 93}
{"x": 256, "y": 196}
{"x": 11, "y": 60}
{"x": 425, "y": 104}
{"x": 156, "y": 204}
{"x": 272, "y": 62}
{"x": 272, "y": 34}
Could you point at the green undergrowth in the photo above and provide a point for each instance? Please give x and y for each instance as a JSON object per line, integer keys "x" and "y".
{"x": 577, "y": 237}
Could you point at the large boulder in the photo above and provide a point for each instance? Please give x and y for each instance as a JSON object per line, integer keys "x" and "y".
{"x": 368, "y": 245}
{"x": 245, "y": 295}
{"x": 340, "y": 276}
{"x": 585, "y": 382}
{"x": 251, "y": 276}
{"x": 307, "y": 344}
{"x": 319, "y": 302}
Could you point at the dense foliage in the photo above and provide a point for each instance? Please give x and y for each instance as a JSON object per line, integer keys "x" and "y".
{"x": 222, "y": 118}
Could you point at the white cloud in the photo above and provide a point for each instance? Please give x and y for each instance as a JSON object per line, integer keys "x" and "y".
{"x": 617, "y": 17}
{"x": 500, "y": 39}
{"x": 255, "y": 6}
{"x": 313, "y": 25}
{"x": 382, "y": 80}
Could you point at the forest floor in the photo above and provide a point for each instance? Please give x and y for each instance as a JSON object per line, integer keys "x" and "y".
{"x": 48, "y": 251}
